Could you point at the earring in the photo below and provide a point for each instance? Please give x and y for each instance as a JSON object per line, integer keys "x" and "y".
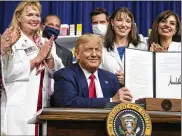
{"x": 112, "y": 26}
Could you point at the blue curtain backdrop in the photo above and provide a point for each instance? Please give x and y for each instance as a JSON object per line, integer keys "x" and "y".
{"x": 76, "y": 12}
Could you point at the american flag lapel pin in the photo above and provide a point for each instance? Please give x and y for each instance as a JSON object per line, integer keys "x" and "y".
{"x": 106, "y": 82}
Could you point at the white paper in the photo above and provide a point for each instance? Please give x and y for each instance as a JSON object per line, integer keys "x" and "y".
{"x": 139, "y": 73}
{"x": 168, "y": 75}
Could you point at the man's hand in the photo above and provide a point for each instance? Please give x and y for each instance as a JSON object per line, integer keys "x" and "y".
{"x": 8, "y": 39}
{"x": 123, "y": 95}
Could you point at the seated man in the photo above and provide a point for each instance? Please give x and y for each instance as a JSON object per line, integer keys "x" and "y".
{"x": 84, "y": 84}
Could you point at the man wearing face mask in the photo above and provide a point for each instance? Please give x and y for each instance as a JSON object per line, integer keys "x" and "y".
{"x": 51, "y": 26}
{"x": 99, "y": 18}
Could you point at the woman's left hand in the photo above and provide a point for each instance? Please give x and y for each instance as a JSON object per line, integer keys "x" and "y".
{"x": 51, "y": 40}
{"x": 120, "y": 76}
{"x": 45, "y": 50}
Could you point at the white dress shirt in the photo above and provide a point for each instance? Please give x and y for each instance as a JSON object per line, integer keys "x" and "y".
{"x": 98, "y": 88}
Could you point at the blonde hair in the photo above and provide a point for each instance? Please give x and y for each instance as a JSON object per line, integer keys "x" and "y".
{"x": 21, "y": 6}
{"x": 85, "y": 38}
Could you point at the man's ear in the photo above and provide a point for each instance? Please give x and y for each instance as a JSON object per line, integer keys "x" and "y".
{"x": 77, "y": 55}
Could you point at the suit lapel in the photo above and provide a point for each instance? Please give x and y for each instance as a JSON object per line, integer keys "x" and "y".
{"x": 83, "y": 81}
{"x": 103, "y": 82}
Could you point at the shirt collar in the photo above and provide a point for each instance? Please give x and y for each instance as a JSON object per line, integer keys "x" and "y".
{"x": 23, "y": 36}
{"x": 87, "y": 74}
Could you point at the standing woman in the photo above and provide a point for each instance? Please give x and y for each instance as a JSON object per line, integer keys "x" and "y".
{"x": 3, "y": 98}
{"x": 121, "y": 34}
{"x": 28, "y": 61}
{"x": 164, "y": 32}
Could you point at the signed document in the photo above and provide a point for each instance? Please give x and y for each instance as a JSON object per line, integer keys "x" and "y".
{"x": 168, "y": 75}
{"x": 139, "y": 73}
{"x": 154, "y": 75}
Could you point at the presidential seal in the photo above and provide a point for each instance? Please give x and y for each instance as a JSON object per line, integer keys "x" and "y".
{"x": 128, "y": 120}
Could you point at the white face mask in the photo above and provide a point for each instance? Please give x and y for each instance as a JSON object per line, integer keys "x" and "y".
{"x": 99, "y": 29}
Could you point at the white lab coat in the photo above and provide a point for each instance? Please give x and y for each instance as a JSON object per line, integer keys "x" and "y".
{"x": 22, "y": 86}
{"x": 3, "y": 105}
{"x": 174, "y": 46}
{"x": 111, "y": 60}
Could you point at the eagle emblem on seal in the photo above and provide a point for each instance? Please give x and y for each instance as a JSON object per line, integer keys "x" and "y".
{"x": 128, "y": 125}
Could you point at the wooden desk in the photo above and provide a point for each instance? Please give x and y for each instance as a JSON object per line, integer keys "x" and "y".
{"x": 92, "y": 122}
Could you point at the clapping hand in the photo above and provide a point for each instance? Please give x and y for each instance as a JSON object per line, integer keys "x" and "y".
{"x": 157, "y": 48}
{"x": 45, "y": 50}
{"x": 9, "y": 38}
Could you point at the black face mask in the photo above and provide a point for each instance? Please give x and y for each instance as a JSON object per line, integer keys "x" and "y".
{"x": 49, "y": 31}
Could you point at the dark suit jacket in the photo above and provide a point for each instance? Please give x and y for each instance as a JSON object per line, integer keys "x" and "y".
{"x": 64, "y": 54}
{"x": 71, "y": 88}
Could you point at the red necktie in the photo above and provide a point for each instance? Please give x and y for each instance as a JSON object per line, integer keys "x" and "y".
{"x": 92, "y": 90}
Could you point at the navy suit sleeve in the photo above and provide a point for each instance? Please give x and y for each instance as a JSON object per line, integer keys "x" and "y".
{"x": 68, "y": 92}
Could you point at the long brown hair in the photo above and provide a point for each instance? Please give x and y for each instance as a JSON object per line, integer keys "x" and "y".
{"x": 154, "y": 35}
{"x": 110, "y": 34}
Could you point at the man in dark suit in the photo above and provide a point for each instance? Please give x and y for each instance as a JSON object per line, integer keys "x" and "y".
{"x": 73, "y": 86}
{"x": 51, "y": 26}
{"x": 64, "y": 54}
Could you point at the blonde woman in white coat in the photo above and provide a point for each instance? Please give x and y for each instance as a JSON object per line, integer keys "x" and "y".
{"x": 121, "y": 34}
{"x": 28, "y": 60}
{"x": 165, "y": 29}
